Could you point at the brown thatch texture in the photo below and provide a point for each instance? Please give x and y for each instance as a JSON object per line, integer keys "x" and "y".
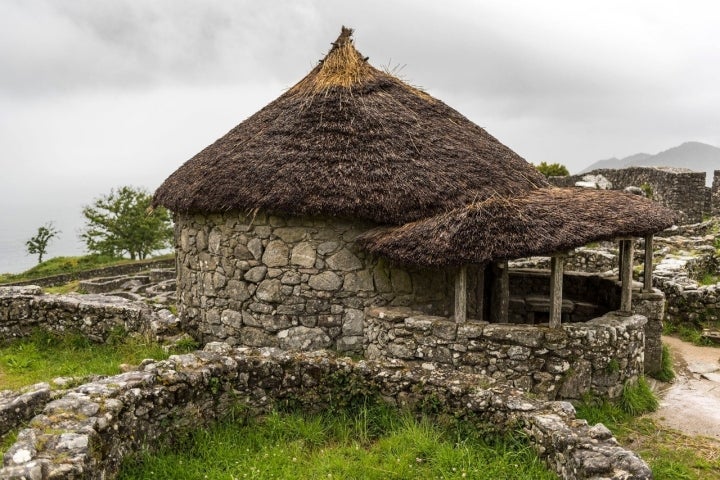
{"x": 542, "y": 222}
{"x": 350, "y": 140}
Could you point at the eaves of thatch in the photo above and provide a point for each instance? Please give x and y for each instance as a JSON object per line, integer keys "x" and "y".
{"x": 542, "y": 222}
{"x": 352, "y": 141}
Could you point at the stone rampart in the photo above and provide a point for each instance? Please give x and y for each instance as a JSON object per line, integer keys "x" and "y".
{"x": 298, "y": 283}
{"x": 92, "y": 428}
{"x": 596, "y": 357}
{"x": 679, "y": 189}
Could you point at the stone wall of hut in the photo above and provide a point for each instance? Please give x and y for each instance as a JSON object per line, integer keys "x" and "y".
{"x": 292, "y": 282}
{"x": 680, "y": 190}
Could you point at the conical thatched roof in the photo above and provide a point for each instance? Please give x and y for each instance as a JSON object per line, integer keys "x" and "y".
{"x": 542, "y": 222}
{"x": 350, "y": 140}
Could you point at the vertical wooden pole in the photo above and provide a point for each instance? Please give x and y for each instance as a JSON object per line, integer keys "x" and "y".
{"x": 461, "y": 295}
{"x": 557, "y": 263}
{"x": 500, "y": 303}
{"x": 626, "y": 248}
{"x": 647, "y": 286}
{"x": 480, "y": 293}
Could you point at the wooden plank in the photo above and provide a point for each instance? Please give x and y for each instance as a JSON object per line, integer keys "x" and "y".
{"x": 626, "y": 249}
{"x": 461, "y": 295}
{"x": 480, "y": 293}
{"x": 647, "y": 287}
{"x": 557, "y": 263}
{"x": 500, "y": 302}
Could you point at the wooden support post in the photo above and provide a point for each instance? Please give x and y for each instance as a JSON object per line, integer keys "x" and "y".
{"x": 556, "y": 289}
{"x": 647, "y": 286}
{"x": 626, "y": 252}
{"x": 480, "y": 293}
{"x": 500, "y": 303}
{"x": 461, "y": 295}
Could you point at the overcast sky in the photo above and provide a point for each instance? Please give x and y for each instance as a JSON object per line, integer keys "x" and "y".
{"x": 96, "y": 94}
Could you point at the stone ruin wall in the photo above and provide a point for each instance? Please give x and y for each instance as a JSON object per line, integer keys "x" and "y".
{"x": 298, "y": 283}
{"x": 97, "y": 317}
{"x": 682, "y": 191}
{"x": 597, "y": 357}
{"x": 87, "y": 431}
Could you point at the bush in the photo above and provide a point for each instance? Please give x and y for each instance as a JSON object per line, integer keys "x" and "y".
{"x": 553, "y": 169}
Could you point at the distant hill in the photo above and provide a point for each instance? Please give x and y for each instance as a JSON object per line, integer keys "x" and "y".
{"x": 696, "y": 156}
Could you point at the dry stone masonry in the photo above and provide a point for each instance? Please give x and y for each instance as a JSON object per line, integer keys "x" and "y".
{"x": 89, "y": 431}
{"x": 297, "y": 283}
{"x": 96, "y": 316}
{"x": 596, "y": 357}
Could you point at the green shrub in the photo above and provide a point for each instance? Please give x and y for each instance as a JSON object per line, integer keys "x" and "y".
{"x": 552, "y": 169}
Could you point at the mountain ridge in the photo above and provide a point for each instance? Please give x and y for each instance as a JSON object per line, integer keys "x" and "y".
{"x": 696, "y": 156}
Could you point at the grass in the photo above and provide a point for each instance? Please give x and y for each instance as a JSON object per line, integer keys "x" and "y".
{"x": 672, "y": 455}
{"x": 44, "y": 356}
{"x": 688, "y": 332}
{"x": 709, "y": 279}
{"x": 666, "y": 373}
{"x": 68, "y": 265}
{"x": 374, "y": 443}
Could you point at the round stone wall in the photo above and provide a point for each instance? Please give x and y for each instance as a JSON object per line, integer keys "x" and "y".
{"x": 297, "y": 283}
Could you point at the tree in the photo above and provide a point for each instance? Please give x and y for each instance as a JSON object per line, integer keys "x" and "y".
{"x": 553, "y": 169}
{"x": 38, "y": 244}
{"x": 123, "y": 222}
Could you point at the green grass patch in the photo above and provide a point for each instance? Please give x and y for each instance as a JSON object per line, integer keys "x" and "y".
{"x": 708, "y": 278}
{"x": 666, "y": 373}
{"x": 68, "y": 265}
{"x": 688, "y": 332}
{"x": 44, "y": 356}
{"x": 373, "y": 443}
{"x": 70, "y": 287}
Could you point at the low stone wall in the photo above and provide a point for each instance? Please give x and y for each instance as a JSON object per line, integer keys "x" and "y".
{"x": 88, "y": 432}
{"x": 687, "y": 300}
{"x": 595, "y": 357}
{"x": 19, "y": 407}
{"x": 679, "y": 189}
{"x": 24, "y": 309}
{"x": 589, "y": 295}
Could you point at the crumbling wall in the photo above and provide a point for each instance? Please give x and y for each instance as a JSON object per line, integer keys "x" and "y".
{"x": 596, "y": 357}
{"x": 298, "y": 283}
{"x": 24, "y": 309}
{"x": 679, "y": 189}
{"x": 91, "y": 429}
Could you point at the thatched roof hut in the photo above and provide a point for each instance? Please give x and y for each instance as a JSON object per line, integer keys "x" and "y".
{"x": 351, "y": 141}
{"x": 541, "y": 222}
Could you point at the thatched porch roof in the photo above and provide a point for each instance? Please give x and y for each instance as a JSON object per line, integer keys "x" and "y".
{"x": 542, "y": 222}
{"x": 350, "y": 140}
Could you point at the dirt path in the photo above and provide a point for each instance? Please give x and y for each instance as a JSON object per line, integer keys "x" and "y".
{"x": 691, "y": 403}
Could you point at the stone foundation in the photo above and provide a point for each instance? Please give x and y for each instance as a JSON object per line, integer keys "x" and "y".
{"x": 87, "y": 432}
{"x": 596, "y": 357}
